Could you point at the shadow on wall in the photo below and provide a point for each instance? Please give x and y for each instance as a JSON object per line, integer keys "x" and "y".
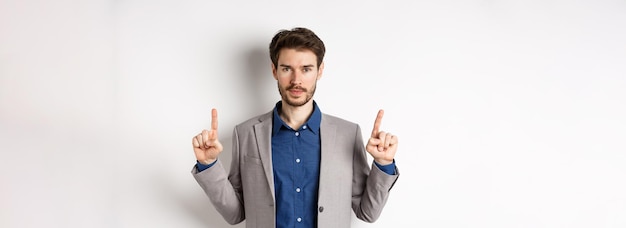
{"x": 259, "y": 78}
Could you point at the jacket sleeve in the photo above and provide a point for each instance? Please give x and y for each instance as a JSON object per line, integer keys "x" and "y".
{"x": 224, "y": 190}
{"x": 371, "y": 186}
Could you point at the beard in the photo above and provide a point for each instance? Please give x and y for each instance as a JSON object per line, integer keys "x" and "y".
{"x": 297, "y": 102}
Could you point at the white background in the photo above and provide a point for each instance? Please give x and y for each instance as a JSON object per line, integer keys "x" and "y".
{"x": 509, "y": 113}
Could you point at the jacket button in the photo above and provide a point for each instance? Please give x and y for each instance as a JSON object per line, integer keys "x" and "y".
{"x": 321, "y": 209}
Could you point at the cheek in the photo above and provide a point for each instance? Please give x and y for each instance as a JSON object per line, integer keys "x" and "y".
{"x": 283, "y": 82}
{"x": 311, "y": 79}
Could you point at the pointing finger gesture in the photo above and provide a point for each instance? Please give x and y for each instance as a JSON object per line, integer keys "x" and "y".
{"x": 206, "y": 145}
{"x": 382, "y": 145}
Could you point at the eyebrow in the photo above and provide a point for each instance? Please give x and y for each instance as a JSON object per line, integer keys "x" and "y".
{"x": 305, "y": 66}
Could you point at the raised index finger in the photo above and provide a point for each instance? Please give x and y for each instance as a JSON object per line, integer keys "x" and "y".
{"x": 214, "y": 119}
{"x": 379, "y": 119}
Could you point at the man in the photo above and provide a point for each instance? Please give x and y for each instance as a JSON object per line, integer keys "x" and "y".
{"x": 295, "y": 166}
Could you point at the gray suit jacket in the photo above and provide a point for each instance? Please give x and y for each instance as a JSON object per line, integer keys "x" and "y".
{"x": 346, "y": 179}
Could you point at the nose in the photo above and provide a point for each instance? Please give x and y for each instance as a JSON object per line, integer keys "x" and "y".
{"x": 296, "y": 77}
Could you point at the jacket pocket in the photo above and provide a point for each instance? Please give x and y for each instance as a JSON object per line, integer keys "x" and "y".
{"x": 251, "y": 160}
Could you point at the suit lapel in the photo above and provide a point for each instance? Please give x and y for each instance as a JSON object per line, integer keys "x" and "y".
{"x": 263, "y": 132}
{"x": 328, "y": 134}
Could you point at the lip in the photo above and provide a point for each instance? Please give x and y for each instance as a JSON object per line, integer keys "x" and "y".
{"x": 296, "y": 91}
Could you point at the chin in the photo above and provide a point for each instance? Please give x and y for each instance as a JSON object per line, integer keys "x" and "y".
{"x": 296, "y": 102}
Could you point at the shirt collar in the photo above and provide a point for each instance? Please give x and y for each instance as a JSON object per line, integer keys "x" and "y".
{"x": 313, "y": 123}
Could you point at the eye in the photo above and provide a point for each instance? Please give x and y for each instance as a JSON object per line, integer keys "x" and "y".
{"x": 285, "y": 69}
{"x": 306, "y": 69}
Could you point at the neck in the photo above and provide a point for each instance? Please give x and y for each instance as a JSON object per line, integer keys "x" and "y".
{"x": 295, "y": 117}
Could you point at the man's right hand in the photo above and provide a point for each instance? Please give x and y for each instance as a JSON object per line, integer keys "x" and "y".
{"x": 206, "y": 145}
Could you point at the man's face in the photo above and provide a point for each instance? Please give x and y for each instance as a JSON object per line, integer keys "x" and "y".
{"x": 297, "y": 74}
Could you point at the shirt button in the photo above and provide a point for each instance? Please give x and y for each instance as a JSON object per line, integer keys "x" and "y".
{"x": 304, "y": 127}
{"x": 297, "y": 160}
{"x": 297, "y": 133}
{"x": 321, "y": 209}
{"x": 297, "y": 189}
{"x": 299, "y": 219}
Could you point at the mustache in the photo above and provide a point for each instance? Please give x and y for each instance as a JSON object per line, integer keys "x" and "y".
{"x": 296, "y": 87}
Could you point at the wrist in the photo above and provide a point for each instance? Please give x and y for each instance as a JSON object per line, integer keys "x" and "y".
{"x": 207, "y": 161}
{"x": 383, "y": 161}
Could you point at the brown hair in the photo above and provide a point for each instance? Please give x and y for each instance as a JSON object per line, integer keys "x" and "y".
{"x": 297, "y": 38}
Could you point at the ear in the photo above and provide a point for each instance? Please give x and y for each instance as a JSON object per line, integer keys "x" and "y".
{"x": 320, "y": 71}
{"x": 274, "y": 71}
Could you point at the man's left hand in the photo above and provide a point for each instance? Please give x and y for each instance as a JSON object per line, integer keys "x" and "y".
{"x": 382, "y": 145}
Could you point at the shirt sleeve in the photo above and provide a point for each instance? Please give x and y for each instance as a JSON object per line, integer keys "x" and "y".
{"x": 201, "y": 167}
{"x": 388, "y": 169}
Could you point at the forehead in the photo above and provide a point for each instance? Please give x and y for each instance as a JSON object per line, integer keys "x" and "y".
{"x": 292, "y": 56}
